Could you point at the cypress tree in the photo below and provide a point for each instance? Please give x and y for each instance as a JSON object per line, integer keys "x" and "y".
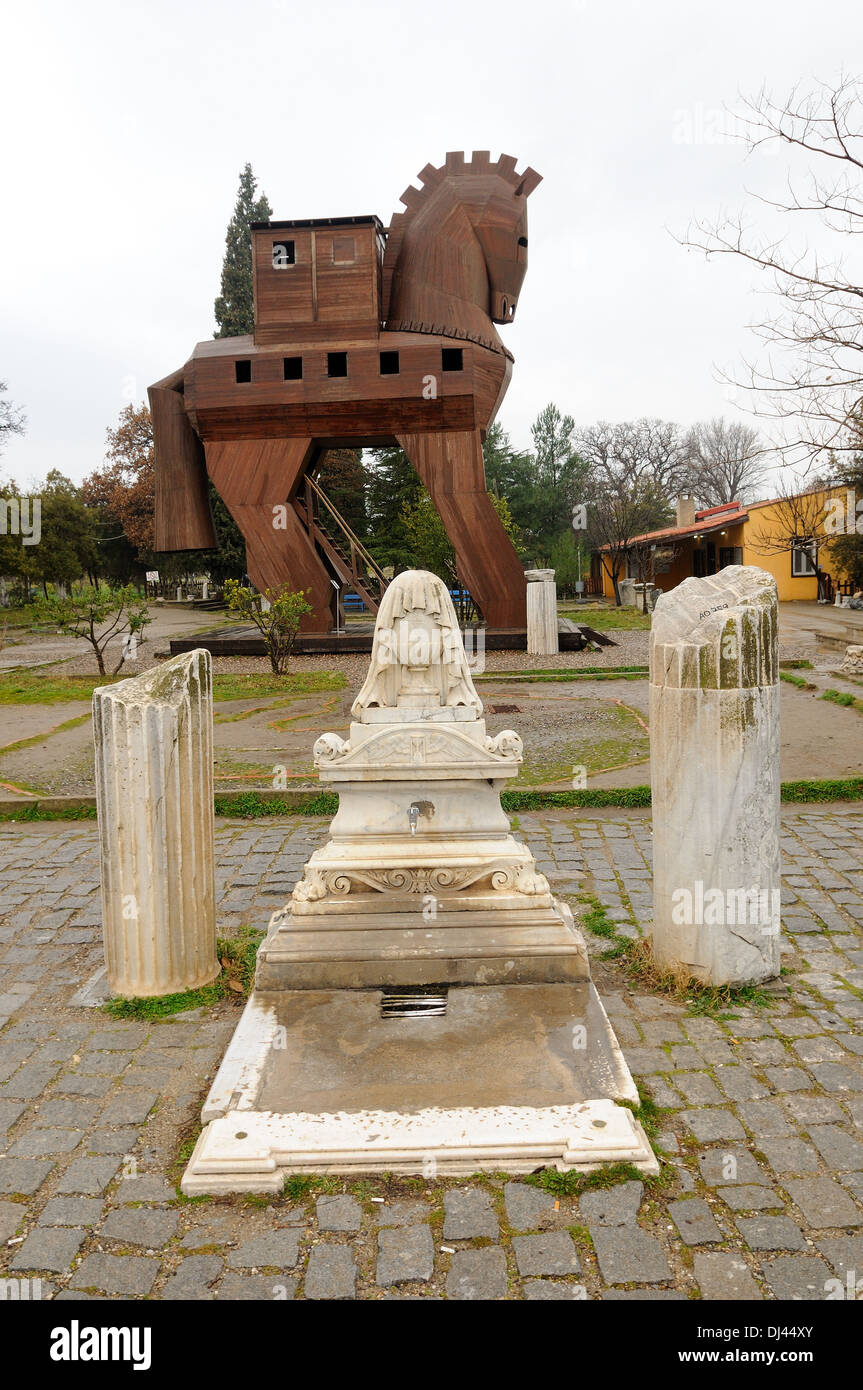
{"x": 235, "y": 305}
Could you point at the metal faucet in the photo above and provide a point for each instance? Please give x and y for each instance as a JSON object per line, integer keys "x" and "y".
{"x": 413, "y": 817}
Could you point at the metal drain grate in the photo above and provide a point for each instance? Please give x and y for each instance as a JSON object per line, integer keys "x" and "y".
{"x": 413, "y": 1003}
{"x": 503, "y": 709}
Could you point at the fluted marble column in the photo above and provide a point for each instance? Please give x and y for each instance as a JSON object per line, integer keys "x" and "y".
{"x": 541, "y": 613}
{"x": 714, "y": 750}
{"x": 154, "y": 788}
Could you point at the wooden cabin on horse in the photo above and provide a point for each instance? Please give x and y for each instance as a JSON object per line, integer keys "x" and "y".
{"x": 363, "y": 337}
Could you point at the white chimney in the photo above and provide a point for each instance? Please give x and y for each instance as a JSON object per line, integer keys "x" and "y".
{"x": 685, "y": 510}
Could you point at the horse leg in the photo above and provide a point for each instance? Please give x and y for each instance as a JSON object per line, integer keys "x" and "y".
{"x": 256, "y": 479}
{"x": 451, "y": 467}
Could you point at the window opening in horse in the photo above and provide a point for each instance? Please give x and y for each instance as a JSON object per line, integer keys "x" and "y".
{"x": 283, "y": 254}
{"x": 337, "y": 364}
{"x": 243, "y": 371}
{"x": 452, "y": 359}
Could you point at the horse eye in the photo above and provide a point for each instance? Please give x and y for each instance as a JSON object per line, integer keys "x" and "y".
{"x": 522, "y": 241}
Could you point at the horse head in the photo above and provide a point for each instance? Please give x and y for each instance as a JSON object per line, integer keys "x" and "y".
{"x": 458, "y": 255}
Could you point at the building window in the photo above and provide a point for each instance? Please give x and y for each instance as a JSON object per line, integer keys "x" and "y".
{"x": 293, "y": 368}
{"x": 389, "y": 364}
{"x": 730, "y": 555}
{"x": 283, "y": 254}
{"x": 803, "y": 558}
{"x": 243, "y": 371}
{"x": 337, "y": 364}
{"x": 344, "y": 250}
{"x": 452, "y": 360}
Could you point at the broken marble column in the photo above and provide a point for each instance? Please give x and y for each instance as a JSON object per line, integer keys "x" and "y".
{"x": 421, "y": 880}
{"x": 714, "y": 736}
{"x": 541, "y": 613}
{"x": 852, "y": 662}
{"x": 154, "y": 791}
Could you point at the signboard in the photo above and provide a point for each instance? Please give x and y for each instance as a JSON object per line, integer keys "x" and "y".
{"x": 152, "y": 576}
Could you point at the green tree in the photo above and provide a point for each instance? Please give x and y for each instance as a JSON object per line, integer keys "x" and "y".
{"x": 67, "y": 548}
{"x": 12, "y": 420}
{"x": 234, "y": 307}
{"x": 278, "y": 623}
{"x": 98, "y": 615}
{"x": 343, "y": 477}
{"x": 392, "y": 486}
{"x": 431, "y": 548}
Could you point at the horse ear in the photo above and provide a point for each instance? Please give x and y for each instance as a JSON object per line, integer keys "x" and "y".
{"x": 529, "y": 180}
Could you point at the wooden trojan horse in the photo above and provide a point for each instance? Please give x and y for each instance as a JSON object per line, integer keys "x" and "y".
{"x": 362, "y": 337}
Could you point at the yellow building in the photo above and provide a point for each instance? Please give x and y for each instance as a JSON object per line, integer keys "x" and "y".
{"x": 753, "y": 533}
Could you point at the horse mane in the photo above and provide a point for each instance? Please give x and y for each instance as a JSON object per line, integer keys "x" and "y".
{"x": 430, "y": 178}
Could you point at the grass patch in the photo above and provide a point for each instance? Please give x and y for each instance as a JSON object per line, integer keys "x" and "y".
{"x": 250, "y": 805}
{"x": 799, "y": 681}
{"x": 824, "y": 789}
{"x": 603, "y": 619}
{"x": 235, "y": 981}
{"x": 235, "y": 686}
{"x": 844, "y": 698}
{"x": 638, "y": 963}
{"x": 796, "y": 666}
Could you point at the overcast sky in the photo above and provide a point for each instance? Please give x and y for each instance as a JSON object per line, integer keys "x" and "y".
{"x": 125, "y": 127}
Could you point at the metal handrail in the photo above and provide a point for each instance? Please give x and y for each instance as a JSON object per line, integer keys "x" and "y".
{"x": 314, "y": 490}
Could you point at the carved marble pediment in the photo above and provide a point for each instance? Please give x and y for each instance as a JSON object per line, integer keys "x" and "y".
{"x": 422, "y": 747}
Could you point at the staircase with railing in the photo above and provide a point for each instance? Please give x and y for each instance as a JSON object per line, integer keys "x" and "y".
{"x": 339, "y": 545}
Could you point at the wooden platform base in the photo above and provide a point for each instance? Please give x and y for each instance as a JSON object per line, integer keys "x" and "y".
{"x": 246, "y": 641}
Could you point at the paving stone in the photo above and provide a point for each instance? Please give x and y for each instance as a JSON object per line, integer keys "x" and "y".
{"x": 46, "y": 1248}
{"x": 477, "y": 1274}
{"x": 844, "y": 1254}
{"x": 78, "y": 1083}
{"x": 405, "y": 1254}
{"x": 112, "y": 1141}
{"x": 813, "y": 1110}
{"x": 840, "y": 1150}
{"x": 331, "y": 1272}
{"x": 616, "y": 1206}
{"x": 818, "y": 1049}
{"x": 193, "y": 1278}
{"x": 23, "y": 1175}
{"x": 721, "y": 1165}
{"x": 823, "y": 1203}
{"x": 150, "y": 1227}
{"x": 764, "y": 1118}
{"x": 797, "y": 1277}
{"x": 89, "y": 1176}
{"x": 626, "y": 1254}
{"x": 10, "y": 1112}
{"x": 468, "y": 1214}
{"x": 790, "y": 1155}
{"x": 738, "y": 1083}
{"x": 642, "y": 1295}
{"x": 750, "y": 1197}
{"x": 276, "y": 1249}
{"x": 11, "y": 1216}
{"x": 546, "y": 1290}
{"x": 39, "y": 1143}
{"x": 28, "y": 1082}
{"x": 527, "y": 1207}
{"x": 695, "y": 1221}
{"x": 260, "y": 1287}
{"x": 117, "y": 1039}
{"x": 123, "y": 1274}
{"x": 339, "y": 1213}
{"x": 66, "y": 1113}
{"x": 129, "y": 1108}
{"x": 71, "y": 1211}
{"x": 142, "y": 1187}
{"x": 785, "y": 1079}
{"x": 771, "y": 1233}
{"x": 836, "y": 1076}
{"x": 724, "y": 1277}
{"x": 400, "y": 1213}
{"x": 552, "y": 1252}
{"x": 709, "y": 1125}
{"x": 698, "y": 1088}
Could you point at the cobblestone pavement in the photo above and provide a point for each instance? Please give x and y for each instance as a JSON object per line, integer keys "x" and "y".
{"x": 762, "y": 1187}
